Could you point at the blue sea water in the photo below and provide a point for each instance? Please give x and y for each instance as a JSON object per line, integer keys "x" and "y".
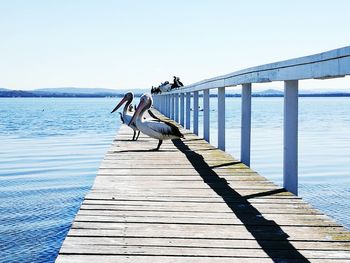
{"x": 50, "y": 151}
{"x": 49, "y": 156}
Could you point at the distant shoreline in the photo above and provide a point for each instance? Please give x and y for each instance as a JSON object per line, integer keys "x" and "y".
{"x": 139, "y": 95}
{"x": 108, "y": 93}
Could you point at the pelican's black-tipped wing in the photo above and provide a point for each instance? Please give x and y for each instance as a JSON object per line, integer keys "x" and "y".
{"x": 175, "y": 130}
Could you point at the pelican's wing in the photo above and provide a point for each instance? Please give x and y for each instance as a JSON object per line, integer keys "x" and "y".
{"x": 163, "y": 127}
{"x": 153, "y": 116}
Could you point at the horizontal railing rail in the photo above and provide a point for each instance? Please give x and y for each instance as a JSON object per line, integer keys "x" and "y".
{"x": 176, "y": 104}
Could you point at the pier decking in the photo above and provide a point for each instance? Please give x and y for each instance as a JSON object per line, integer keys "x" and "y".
{"x": 191, "y": 202}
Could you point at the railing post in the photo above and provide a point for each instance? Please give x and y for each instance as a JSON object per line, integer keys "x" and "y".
{"x": 177, "y": 107}
{"x": 182, "y": 109}
{"x": 290, "y": 136}
{"x": 155, "y": 102}
{"x": 161, "y": 104}
{"x": 188, "y": 110}
{"x": 246, "y": 123}
{"x": 221, "y": 118}
{"x": 172, "y": 105}
{"x": 168, "y": 106}
{"x": 206, "y": 115}
{"x": 165, "y": 105}
{"x": 195, "y": 112}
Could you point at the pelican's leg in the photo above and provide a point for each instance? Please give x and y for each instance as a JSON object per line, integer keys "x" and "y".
{"x": 159, "y": 144}
{"x": 133, "y": 137}
{"x": 137, "y": 137}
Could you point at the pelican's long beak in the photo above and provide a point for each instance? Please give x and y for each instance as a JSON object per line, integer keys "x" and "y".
{"x": 137, "y": 112}
{"x": 119, "y": 104}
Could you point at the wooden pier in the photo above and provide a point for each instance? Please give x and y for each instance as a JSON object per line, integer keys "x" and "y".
{"x": 191, "y": 202}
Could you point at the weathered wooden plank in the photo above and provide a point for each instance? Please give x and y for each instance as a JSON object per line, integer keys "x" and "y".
{"x": 205, "y": 243}
{"x": 102, "y": 181}
{"x": 73, "y": 258}
{"x": 239, "y": 178}
{"x": 204, "y": 221}
{"x": 269, "y": 230}
{"x": 273, "y": 214}
{"x": 162, "y": 259}
{"x": 197, "y": 251}
{"x": 190, "y": 202}
{"x": 216, "y": 233}
{"x": 190, "y": 198}
{"x": 188, "y": 192}
{"x": 199, "y": 207}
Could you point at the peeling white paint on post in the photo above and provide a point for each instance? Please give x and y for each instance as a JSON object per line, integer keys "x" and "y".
{"x": 177, "y": 107}
{"x": 290, "y": 136}
{"x": 221, "y": 118}
{"x": 195, "y": 112}
{"x": 246, "y": 110}
{"x": 182, "y": 109}
{"x": 206, "y": 115}
{"x": 188, "y": 110}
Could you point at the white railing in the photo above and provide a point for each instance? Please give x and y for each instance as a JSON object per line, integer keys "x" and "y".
{"x": 330, "y": 64}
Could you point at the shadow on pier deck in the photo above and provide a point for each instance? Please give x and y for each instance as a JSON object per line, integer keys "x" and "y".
{"x": 190, "y": 202}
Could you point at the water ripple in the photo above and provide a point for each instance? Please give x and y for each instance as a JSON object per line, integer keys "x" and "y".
{"x": 48, "y": 162}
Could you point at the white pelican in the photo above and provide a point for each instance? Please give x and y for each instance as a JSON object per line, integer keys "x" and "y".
{"x": 128, "y": 113}
{"x": 154, "y": 128}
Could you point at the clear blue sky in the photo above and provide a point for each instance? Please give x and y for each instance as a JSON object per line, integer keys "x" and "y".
{"x": 136, "y": 44}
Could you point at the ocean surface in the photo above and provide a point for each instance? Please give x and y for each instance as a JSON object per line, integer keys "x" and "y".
{"x": 51, "y": 149}
{"x": 50, "y": 152}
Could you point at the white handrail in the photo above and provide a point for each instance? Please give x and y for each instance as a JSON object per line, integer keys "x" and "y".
{"x": 330, "y": 64}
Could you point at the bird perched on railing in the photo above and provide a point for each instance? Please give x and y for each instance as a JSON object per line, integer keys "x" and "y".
{"x": 155, "y": 128}
{"x": 155, "y": 90}
{"x": 176, "y": 83}
{"x": 128, "y": 112}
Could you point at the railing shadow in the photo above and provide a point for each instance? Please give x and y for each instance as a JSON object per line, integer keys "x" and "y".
{"x": 263, "y": 230}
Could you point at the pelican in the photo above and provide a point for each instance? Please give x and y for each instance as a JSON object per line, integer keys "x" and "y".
{"x": 154, "y": 128}
{"x": 128, "y": 113}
